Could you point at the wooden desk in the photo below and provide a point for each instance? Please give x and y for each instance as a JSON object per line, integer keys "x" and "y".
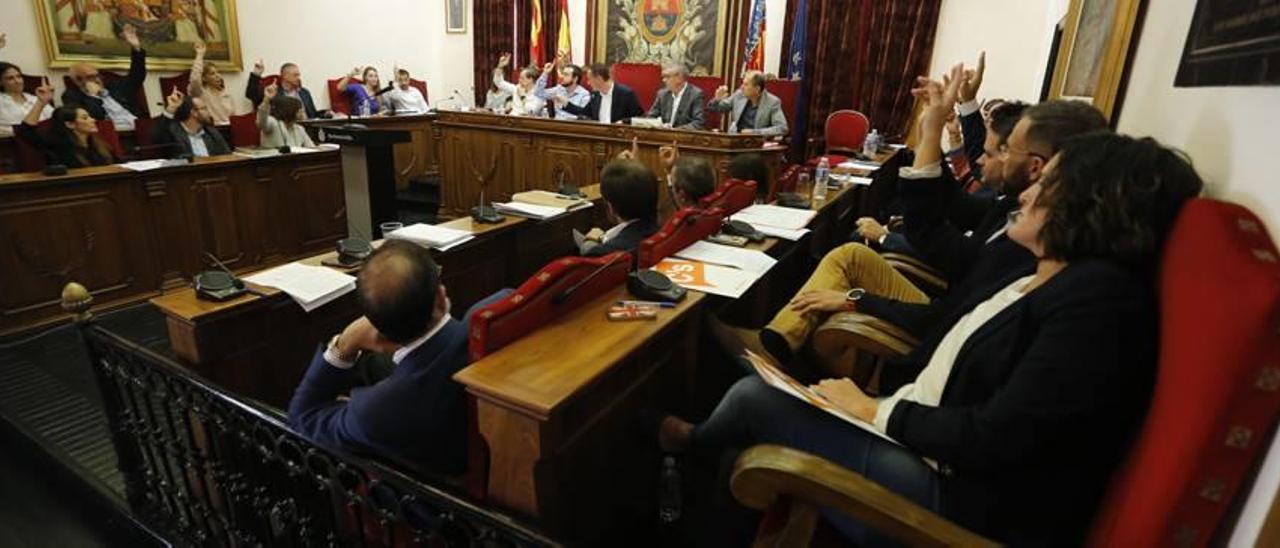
{"x": 516, "y": 154}
{"x": 420, "y": 156}
{"x": 128, "y": 236}
{"x": 557, "y": 413}
{"x": 259, "y": 346}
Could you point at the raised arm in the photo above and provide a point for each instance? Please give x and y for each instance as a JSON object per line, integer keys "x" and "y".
{"x": 44, "y": 98}
{"x": 264, "y": 110}
{"x": 195, "y": 85}
{"x": 722, "y": 102}
{"x": 499, "y": 76}
{"x": 342, "y": 83}
{"x": 137, "y": 59}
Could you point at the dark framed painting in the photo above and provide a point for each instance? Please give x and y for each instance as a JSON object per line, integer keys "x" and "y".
{"x": 1092, "y": 54}
{"x": 692, "y": 32}
{"x": 1232, "y": 43}
{"x": 89, "y": 30}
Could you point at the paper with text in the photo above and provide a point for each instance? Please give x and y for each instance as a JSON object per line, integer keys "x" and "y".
{"x": 773, "y": 376}
{"x": 309, "y": 286}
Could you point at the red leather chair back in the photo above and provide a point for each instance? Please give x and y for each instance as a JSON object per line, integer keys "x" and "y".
{"x": 107, "y": 132}
{"x": 27, "y": 156}
{"x": 244, "y": 130}
{"x": 731, "y": 197}
{"x": 708, "y": 85}
{"x": 644, "y": 79}
{"x": 109, "y": 78}
{"x": 268, "y": 79}
{"x": 338, "y": 99}
{"x": 845, "y": 130}
{"x": 787, "y": 181}
{"x": 422, "y": 86}
{"x": 32, "y": 81}
{"x": 788, "y": 92}
{"x": 1218, "y": 389}
{"x": 683, "y": 229}
{"x": 540, "y": 299}
{"x": 180, "y": 81}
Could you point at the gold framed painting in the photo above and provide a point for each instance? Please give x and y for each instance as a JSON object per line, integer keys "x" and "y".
{"x": 455, "y": 16}
{"x": 1093, "y": 53}
{"x": 692, "y": 32}
{"x": 89, "y": 30}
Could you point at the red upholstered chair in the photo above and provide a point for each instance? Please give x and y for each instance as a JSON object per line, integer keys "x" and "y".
{"x": 338, "y": 100}
{"x": 268, "y": 79}
{"x": 644, "y": 79}
{"x": 683, "y": 229}
{"x": 107, "y": 132}
{"x": 27, "y": 156}
{"x": 180, "y": 81}
{"x": 788, "y": 91}
{"x": 142, "y": 140}
{"x": 731, "y": 197}
{"x": 1214, "y": 405}
{"x": 845, "y": 131}
{"x": 708, "y": 85}
{"x": 422, "y": 86}
{"x": 541, "y": 299}
{"x": 32, "y": 81}
{"x": 244, "y": 130}
{"x": 787, "y": 181}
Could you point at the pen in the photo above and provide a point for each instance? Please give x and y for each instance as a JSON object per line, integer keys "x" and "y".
{"x": 647, "y": 303}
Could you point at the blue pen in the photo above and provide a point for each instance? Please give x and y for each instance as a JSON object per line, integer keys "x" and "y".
{"x": 647, "y": 303}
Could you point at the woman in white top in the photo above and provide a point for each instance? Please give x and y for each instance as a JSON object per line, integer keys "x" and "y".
{"x": 15, "y": 104}
{"x": 1026, "y": 398}
{"x": 278, "y": 120}
{"x": 207, "y": 84}
{"x": 523, "y": 101}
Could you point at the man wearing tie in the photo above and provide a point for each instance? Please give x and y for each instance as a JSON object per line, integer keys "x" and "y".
{"x": 610, "y": 101}
{"x": 754, "y": 109}
{"x": 679, "y": 105}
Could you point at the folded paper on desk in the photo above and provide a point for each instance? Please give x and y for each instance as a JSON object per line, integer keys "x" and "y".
{"x": 773, "y": 376}
{"x": 775, "y": 216}
{"x": 550, "y": 199}
{"x": 437, "y": 237}
{"x": 784, "y": 233}
{"x": 708, "y": 278}
{"x": 148, "y": 165}
{"x": 256, "y": 152}
{"x": 750, "y": 260}
{"x": 858, "y": 165}
{"x": 851, "y": 179}
{"x": 531, "y": 211}
{"x": 309, "y": 286}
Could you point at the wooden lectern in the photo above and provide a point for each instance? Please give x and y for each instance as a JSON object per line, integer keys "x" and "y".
{"x": 368, "y": 174}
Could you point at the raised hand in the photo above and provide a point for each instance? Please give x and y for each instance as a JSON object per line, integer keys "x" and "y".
{"x": 200, "y": 48}
{"x": 504, "y": 60}
{"x": 270, "y": 92}
{"x": 547, "y": 68}
{"x": 130, "y": 35}
{"x": 355, "y": 72}
{"x": 668, "y": 155}
{"x": 972, "y": 80}
{"x": 173, "y": 100}
{"x": 722, "y": 93}
{"x": 259, "y": 68}
{"x": 44, "y": 93}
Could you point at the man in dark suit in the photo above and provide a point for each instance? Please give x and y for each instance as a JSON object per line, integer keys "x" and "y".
{"x": 610, "y": 101}
{"x": 290, "y": 86}
{"x": 187, "y": 126}
{"x": 679, "y": 105}
{"x": 630, "y": 193}
{"x": 117, "y": 102}
{"x": 417, "y": 415}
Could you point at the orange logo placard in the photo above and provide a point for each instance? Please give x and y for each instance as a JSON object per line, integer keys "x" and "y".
{"x": 684, "y": 272}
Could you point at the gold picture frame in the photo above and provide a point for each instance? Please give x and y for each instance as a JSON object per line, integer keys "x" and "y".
{"x": 455, "y": 16}
{"x": 1093, "y": 52}
{"x": 712, "y": 58}
{"x": 76, "y": 31}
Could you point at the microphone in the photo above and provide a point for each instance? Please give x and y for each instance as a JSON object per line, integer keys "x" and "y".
{"x": 235, "y": 280}
{"x": 384, "y": 90}
{"x": 564, "y": 295}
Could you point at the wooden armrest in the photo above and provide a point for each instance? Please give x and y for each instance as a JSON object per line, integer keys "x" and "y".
{"x": 863, "y": 332}
{"x": 765, "y": 474}
{"x": 917, "y": 271}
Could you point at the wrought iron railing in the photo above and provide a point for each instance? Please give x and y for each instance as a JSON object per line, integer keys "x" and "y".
{"x": 214, "y": 469}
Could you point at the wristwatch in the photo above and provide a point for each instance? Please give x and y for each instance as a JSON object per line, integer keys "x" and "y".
{"x": 852, "y": 297}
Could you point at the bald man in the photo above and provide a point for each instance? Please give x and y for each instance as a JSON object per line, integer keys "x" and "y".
{"x": 417, "y": 415}
{"x": 117, "y": 102}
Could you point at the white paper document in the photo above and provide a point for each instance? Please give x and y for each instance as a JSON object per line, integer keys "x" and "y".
{"x": 750, "y": 260}
{"x": 851, "y": 179}
{"x": 143, "y": 165}
{"x": 707, "y": 278}
{"x": 784, "y": 233}
{"x": 776, "y": 378}
{"x": 437, "y": 237}
{"x": 529, "y": 210}
{"x": 309, "y": 286}
{"x": 859, "y": 165}
{"x": 776, "y": 216}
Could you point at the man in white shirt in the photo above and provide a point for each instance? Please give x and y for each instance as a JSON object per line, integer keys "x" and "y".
{"x": 404, "y": 98}
{"x": 610, "y": 101}
{"x": 679, "y": 104}
{"x": 569, "y": 87}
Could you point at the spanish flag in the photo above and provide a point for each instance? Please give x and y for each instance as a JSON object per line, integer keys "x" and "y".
{"x": 535, "y": 34}
{"x": 562, "y": 41}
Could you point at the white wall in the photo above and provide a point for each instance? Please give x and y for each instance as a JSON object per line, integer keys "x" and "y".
{"x": 325, "y": 42}
{"x": 1016, "y": 34}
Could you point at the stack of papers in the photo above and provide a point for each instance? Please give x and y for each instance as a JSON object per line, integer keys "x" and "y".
{"x": 787, "y": 223}
{"x": 848, "y": 179}
{"x": 531, "y": 211}
{"x": 144, "y": 165}
{"x": 309, "y": 286}
{"x": 858, "y": 165}
{"x": 750, "y": 260}
{"x": 716, "y": 269}
{"x": 437, "y": 237}
{"x": 550, "y": 199}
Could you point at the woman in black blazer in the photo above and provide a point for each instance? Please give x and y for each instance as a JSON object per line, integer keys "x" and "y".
{"x": 1029, "y": 395}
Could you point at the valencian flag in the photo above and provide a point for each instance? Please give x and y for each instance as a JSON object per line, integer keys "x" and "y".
{"x": 562, "y": 41}
{"x": 535, "y": 34}
{"x": 753, "y": 57}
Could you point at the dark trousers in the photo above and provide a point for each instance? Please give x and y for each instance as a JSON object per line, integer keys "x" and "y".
{"x": 753, "y": 413}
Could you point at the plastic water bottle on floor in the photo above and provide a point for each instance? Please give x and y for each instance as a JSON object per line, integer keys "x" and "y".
{"x": 821, "y": 178}
{"x": 669, "y": 500}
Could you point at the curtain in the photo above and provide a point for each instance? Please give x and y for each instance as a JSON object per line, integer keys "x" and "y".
{"x": 499, "y": 26}
{"x": 865, "y": 55}
{"x": 550, "y": 29}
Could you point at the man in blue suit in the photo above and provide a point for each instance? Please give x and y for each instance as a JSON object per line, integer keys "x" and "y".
{"x": 417, "y": 415}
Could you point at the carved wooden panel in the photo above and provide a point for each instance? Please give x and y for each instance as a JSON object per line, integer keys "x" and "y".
{"x": 317, "y": 206}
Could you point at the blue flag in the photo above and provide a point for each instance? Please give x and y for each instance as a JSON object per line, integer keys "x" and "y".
{"x": 795, "y": 55}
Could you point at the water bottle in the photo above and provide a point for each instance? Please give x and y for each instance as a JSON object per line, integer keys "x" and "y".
{"x": 669, "y": 492}
{"x": 364, "y": 108}
{"x": 820, "y": 179}
{"x": 871, "y": 145}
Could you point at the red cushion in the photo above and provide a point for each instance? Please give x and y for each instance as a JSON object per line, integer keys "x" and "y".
{"x": 788, "y": 92}
{"x": 1218, "y": 389}
{"x": 28, "y": 156}
{"x": 107, "y": 132}
{"x": 244, "y": 130}
{"x": 338, "y": 99}
{"x": 180, "y": 81}
{"x": 731, "y": 197}
{"x": 32, "y": 81}
{"x": 422, "y": 86}
{"x": 683, "y": 229}
{"x": 846, "y": 129}
{"x": 786, "y": 181}
{"x": 537, "y": 301}
{"x": 644, "y": 79}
